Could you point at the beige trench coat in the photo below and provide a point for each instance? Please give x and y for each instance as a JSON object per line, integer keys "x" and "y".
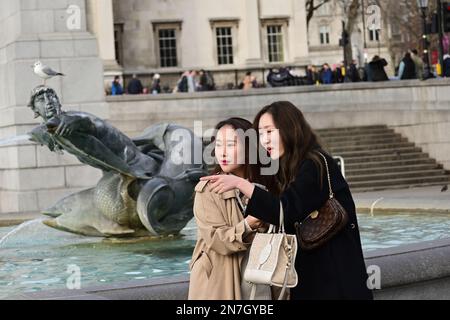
{"x": 216, "y": 261}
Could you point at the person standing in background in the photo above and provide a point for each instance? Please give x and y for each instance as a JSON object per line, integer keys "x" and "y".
{"x": 377, "y": 72}
{"x": 418, "y": 62}
{"x": 191, "y": 81}
{"x": 249, "y": 81}
{"x": 135, "y": 86}
{"x": 156, "y": 86}
{"x": 116, "y": 87}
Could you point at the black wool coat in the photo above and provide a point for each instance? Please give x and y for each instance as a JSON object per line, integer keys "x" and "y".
{"x": 336, "y": 270}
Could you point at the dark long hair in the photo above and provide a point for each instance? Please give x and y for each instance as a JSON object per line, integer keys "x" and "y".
{"x": 251, "y": 171}
{"x": 299, "y": 140}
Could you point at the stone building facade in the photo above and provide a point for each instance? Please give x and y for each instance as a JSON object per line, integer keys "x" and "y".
{"x": 226, "y": 37}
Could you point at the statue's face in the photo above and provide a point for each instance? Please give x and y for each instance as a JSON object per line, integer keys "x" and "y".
{"x": 45, "y": 105}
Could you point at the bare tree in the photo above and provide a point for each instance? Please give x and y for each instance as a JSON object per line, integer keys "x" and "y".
{"x": 311, "y": 7}
{"x": 404, "y": 21}
{"x": 350, "y": 10}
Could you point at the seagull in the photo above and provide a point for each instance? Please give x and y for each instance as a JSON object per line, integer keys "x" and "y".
{"x": 44, "y": 71}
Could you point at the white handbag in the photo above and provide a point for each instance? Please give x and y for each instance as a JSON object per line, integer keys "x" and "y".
{"x": 271, "y": 260}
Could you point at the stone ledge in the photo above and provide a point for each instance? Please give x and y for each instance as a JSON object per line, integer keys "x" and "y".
{"x": 14, "y": 219}
{"x": 425, "y": 263}
{"x": 293, "y": 89}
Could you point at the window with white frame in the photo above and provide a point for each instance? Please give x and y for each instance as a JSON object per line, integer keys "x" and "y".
{"x": 167, "y": 47}
{"x": 166, "y": 35}
{"x": 275, "y": 44}
{"x": 224, "y": 40}
{"x": 374, "y": 35}
{"x": 324, "y": 35}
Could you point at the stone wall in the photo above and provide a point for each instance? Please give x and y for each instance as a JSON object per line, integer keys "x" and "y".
{"x": 420, "y": 110}
{"x": 32, "y": 178}
{"x": 196, "y": 40}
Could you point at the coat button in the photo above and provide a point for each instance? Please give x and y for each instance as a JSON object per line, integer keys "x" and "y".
{"x": 353, "y": 226}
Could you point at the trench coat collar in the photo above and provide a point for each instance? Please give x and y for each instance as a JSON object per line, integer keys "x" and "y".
{"x": 229, "y": 194}
{"x": 226, "y": 195}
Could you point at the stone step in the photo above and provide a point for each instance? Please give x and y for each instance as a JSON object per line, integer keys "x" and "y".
{"x": 389, "y": 163}
{"x": 351, "y": 178}
{"x": 332, "y": 134}
{"x": 363, "y": 153}
{"x": 400, "y": 186}
{"x": 366, "y": 138}
{"x": 385, "y": 169}
{"x": 375, "y": 146}
{"x": 377, "y": 158}
{"x": 401, "y": 181}
{"x": 338, "y": 144}
{"x": 352, "y": 129}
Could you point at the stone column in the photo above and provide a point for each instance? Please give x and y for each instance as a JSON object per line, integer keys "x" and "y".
{"x": 100, "y": 22}
{"x": 298, "y": 36}
{"x": 31, "y": 177}
{"x": 253, "y": 33}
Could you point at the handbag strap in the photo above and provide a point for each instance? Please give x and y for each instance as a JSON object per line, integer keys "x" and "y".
{"x": 328, "y": 175}
{"x": 281, "y": 230}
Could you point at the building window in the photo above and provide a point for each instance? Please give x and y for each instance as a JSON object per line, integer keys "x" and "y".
{"x": 167, "y": 47}
{"x": 275, "y": 43}
{"x": 118, "y": 38}
{"x": 374, "y": 35}
{"x": 324, "y": 35}
{"x": 224, "y": 45}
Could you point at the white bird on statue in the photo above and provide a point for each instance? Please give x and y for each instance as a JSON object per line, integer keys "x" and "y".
{"x": 45, "y": 72}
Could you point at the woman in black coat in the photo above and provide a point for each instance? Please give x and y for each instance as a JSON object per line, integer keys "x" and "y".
{"x": 337, "y": 269}
{"x": 377, "y": 69}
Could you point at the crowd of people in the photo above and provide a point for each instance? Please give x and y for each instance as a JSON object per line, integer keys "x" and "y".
{"x": 410, "y": 67}
{"x": 190, "y": 81}
{"x": 135, "y": 86}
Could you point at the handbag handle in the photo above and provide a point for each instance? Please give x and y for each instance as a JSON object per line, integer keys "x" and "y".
{"x": 281, "y": 229}
{"x": 328, "y": 175}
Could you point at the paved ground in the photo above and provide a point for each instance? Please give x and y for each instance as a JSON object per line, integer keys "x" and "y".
{"x": 412, "y": 200}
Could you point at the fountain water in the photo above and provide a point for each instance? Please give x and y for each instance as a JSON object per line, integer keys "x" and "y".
{"x": 17, "y": 230}
{"x": 15, "y": 140}
{"x": 35, "y": 258}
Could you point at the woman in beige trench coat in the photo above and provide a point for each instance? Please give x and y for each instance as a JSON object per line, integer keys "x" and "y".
{"x": 224, "y": 234}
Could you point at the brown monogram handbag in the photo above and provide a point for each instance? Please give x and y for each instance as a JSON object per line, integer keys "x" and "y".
{"x": 321, "y": 225}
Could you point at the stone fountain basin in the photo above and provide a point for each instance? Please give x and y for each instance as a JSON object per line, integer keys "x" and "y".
{"x": 412, "y": 252}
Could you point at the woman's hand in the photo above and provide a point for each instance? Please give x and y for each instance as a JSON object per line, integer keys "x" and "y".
{"x": 222, "y": 183}
{"x": 254, "y": 223}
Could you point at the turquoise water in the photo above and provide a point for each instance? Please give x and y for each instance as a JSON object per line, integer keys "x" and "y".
{"x": 37, "y": 257}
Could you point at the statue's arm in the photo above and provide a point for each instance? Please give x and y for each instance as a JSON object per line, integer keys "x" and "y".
{"x": 68, "y": 123}
{"x": 40, "y": 135}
